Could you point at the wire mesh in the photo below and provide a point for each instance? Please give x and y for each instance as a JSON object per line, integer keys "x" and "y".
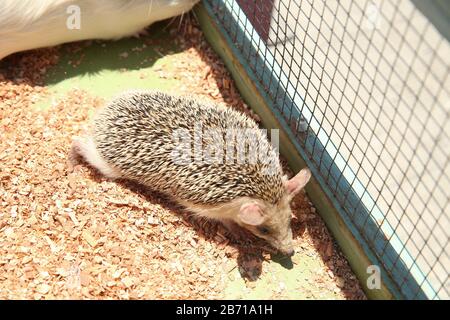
{"x": 363, "y": 87}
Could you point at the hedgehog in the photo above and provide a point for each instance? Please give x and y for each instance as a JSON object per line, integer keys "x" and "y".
{"x": 210, "y": 158}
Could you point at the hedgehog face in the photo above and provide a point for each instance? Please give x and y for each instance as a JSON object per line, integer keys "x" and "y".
{"x": 273, "y": 222}
{"x": 269, "y": 222}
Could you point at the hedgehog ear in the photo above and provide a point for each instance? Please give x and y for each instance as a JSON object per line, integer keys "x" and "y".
{"x": 295, "y": 184}
{"x": 251, "y": 214}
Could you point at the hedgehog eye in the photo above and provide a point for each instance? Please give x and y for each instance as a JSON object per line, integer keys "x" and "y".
{"x": 264, "y": 230}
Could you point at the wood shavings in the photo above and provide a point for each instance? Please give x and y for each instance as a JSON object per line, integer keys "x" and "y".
{"x": 73, "y": 217}
{"x": 68, "y": 233}
{"x": 43, "y": 288}
{"x": 89, "y": 238}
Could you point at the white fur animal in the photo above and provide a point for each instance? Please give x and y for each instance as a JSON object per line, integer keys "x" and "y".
{"x": 30, "y": 24}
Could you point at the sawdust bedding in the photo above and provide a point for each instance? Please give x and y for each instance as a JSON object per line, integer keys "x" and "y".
{"x": 67, "y": 232}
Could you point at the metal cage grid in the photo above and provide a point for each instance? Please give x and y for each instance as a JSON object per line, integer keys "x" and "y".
{"x": 363, "y": 89}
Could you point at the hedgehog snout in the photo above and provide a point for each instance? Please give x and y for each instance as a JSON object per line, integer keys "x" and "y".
{"x": 286, "y": 245}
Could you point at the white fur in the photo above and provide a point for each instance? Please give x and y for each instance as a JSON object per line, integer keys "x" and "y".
{"x": 87, "y": 149}
{"x": 30, "y": 24}
{"x": 221, "y": 212}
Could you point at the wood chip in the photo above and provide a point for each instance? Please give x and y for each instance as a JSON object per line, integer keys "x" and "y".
{"x": 89, "y": 238}
{"x": 127, "y": 281}
{"x": 43, "y": 288}
{"x": 73, "y": 218}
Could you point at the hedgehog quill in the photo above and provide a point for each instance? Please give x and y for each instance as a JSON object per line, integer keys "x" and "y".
{"x": 230, "y": 172}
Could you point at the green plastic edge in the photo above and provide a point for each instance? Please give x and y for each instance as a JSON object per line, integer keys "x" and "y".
{"x": 349, "y": 245}
{"x": 438, "y": 13}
